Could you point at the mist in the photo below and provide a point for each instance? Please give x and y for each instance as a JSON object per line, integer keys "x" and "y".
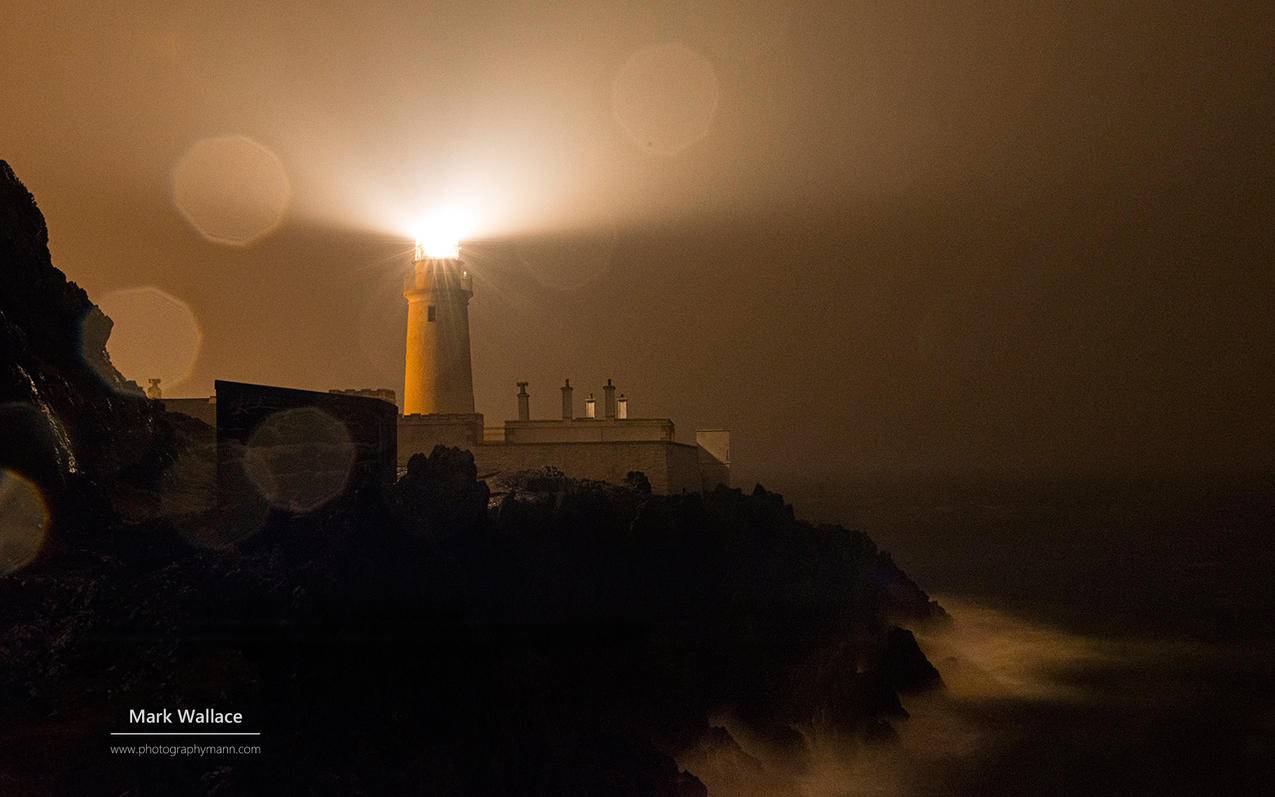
{"x": 1027, "y": 706}
{"x": 879, "y": 238}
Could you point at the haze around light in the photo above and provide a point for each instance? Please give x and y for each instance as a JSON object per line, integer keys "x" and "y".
{"x": 877, "y": 237}
{"x": 439, "y": 233}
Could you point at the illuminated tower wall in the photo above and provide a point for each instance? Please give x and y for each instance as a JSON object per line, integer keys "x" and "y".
{"x": 439, "y": 378}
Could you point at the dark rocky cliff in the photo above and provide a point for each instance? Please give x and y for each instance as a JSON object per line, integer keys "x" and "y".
{"x": 564, "y": 637}
{"x": 68, "y": 420}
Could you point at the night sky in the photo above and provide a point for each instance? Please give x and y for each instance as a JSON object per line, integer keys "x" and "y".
{"x": 867, "y": 237}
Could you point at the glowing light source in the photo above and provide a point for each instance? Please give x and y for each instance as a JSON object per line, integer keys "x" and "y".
{"x": 437, "y": 249}
{"x": 439, "y": 234}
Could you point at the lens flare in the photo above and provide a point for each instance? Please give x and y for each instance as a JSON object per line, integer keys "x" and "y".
{"x": 231, "y": 189}
{"x": 299, "y": 459}
{"x": 665, "y": 98}
{"x": 24, "y": 519}
{"x": 154, "y": 335}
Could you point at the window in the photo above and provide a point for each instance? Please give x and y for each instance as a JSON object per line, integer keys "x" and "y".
{"x": 431, "y": 313}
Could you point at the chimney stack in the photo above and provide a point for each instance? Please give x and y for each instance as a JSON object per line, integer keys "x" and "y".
{"x": 568, "y": 410}
{"x": 608, "y": 399}
{"x": 622, "y": 408}
{"x": 590, "y": 407}
{"x": 524, "y": 402}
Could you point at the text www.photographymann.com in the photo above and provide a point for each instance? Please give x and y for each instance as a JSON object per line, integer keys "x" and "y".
{"x": 174, "y": 750}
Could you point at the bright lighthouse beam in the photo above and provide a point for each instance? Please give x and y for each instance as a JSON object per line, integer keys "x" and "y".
{"x": 437, "y": 248}
{"x": 439, "y": 234}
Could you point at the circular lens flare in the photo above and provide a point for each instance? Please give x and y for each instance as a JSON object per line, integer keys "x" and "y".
{"x": 231, "y": 189}
{"x": 24, "y": 519}
{"x": 300, "y": 459}
{"x": 154, "y": 335}
{"x": 665, "y": 98}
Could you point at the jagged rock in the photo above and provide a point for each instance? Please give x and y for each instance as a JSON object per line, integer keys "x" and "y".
{"x": 572, "y": 641}
{"x": 440, "y": 494}
{"x": 67, "y": 417}
{"x": 636, "y": 480}
{"x": 905, "y": 667}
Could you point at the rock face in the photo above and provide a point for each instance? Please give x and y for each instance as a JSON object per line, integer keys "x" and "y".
{"x": 563, "y": 637}
{"x": 441, "y": 495}
{"x": 68, "y": 420}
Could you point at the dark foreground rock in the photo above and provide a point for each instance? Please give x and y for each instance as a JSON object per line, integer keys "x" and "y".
{"x": 560, "y": 637}
{"x": 67, "y": 418}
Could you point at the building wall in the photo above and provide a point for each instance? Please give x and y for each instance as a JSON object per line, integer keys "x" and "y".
{"x": 602, "y": 449}
{"x": 297, "y": 440}
{"x": 714, "y": 456}
{"x": 420, "y": 433}
{"x": 203, "y": 409}
{"x": 670, "y": 467}
{"x": 713, "y": 473}
{"x": 605, "y": 450}
{"x": 683, "y": 469}
{"x": 583, "y": 430}
{"x": 382, "y": 393}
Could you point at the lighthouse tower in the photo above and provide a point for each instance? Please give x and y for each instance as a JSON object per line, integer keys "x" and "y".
{"x": 439, "y": 378}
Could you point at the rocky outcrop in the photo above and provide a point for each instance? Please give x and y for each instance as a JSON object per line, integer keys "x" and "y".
{"x": 440, "y": 496}
{"x": 569, "y": 637}
{"x": 68, "y": 420}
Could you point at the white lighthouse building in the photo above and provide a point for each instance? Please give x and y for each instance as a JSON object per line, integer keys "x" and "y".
{"x": 438, "y": 378}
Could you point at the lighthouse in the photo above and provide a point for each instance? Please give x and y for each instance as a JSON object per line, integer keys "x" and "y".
{"x": 439, "y": 378}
